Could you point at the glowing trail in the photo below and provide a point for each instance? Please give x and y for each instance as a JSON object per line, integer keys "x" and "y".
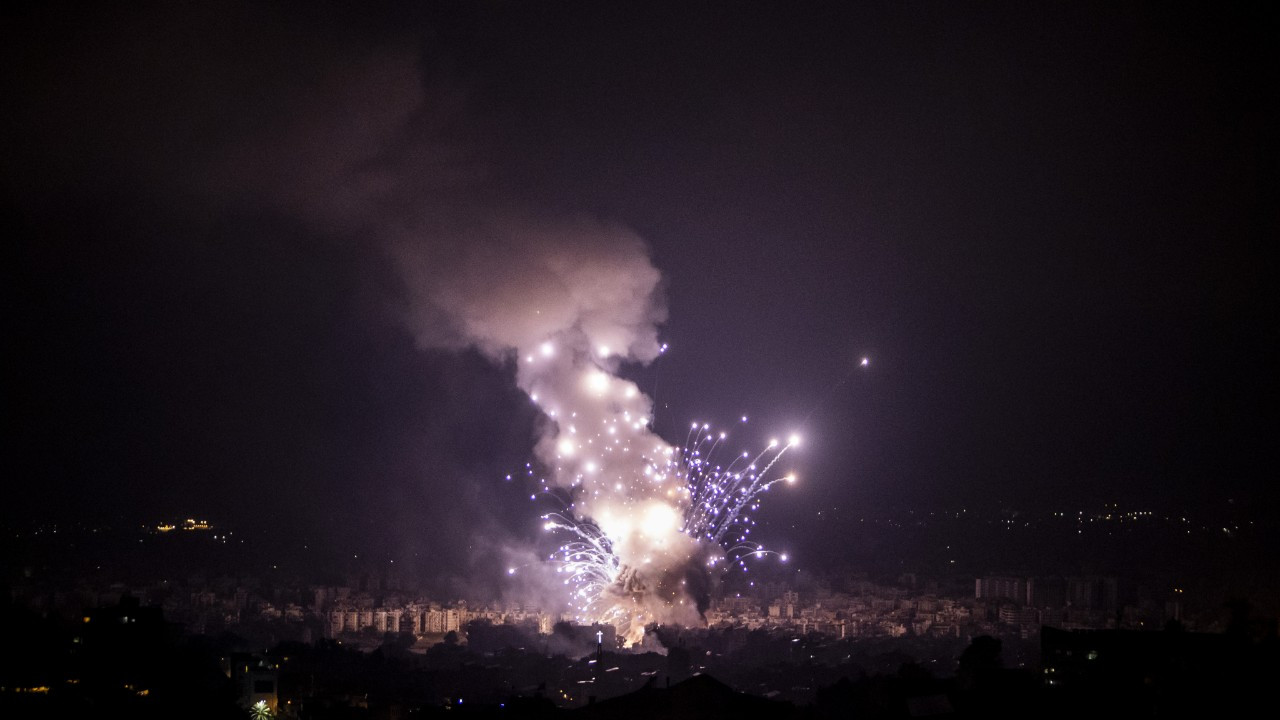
{"x": 722, "y": 498}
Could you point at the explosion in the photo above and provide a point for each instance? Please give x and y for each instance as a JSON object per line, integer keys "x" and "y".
{"x": 714, "y": 503}
{"x": 643, "y": 517}
{"x": 647, "y": 522}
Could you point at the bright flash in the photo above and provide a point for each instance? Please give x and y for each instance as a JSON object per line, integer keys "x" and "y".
{"x": 598, "y": 382}
{"x": 659, "y": 520}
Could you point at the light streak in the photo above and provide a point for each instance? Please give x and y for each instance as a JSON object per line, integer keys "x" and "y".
{"x": 723, "y": 498}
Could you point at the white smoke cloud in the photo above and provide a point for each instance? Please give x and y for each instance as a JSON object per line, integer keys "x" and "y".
{"x": 508, "y": 285}
{"x": 568, "y": 302}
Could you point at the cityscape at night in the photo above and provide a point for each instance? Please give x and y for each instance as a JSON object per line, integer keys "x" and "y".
{"x": 395, "y": 359}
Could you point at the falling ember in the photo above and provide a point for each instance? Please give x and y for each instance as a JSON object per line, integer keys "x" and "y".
{"x": 722, "y": 498}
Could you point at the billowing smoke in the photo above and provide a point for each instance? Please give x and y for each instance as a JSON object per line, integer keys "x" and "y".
{"x": 509, "y": 286}
{"x": 568, "y": 302}
{"x": 354, "y": 141}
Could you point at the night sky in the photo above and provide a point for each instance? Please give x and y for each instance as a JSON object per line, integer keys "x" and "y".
{"x": 1044, "y": 224}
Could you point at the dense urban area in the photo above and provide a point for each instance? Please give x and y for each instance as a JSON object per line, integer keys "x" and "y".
{"x": 372, "y": 641}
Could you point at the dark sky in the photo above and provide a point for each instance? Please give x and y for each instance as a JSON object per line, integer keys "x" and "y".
{"x": 1044, "y": 223}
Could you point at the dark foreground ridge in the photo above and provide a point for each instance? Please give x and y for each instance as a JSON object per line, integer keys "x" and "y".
{"x": 701, "y": 696}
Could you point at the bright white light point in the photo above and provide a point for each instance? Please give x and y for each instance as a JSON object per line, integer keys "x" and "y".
{"x": 722, "y": 436}
{"x": 511, "y": 571}
{"x": 659, "y": 520}
{"x": 865, "y": 361}
{"x": 589, "y": 467}
{"x": 793, "y": 440}
{"x": 791, "y": 478}
{"x": 631, "y": 392}
{"x": 547, "y": 349}
{"x": 773, "y": 443}
{"x": 598, "y": 381}
{"x": 604, "y": 350}
{"x": 528, "y": 358}
{"x": 565, "y": 447}
{"x": 744, "y": 418}
{"x": 783, "y": 557}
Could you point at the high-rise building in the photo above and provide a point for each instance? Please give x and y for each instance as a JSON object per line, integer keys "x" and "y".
{"x": 1001, "y": 587}
{"x": 1048, "y": 592}
{"x": 1093, "y": 593}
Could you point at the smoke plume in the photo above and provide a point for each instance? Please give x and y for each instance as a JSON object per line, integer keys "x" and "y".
{"x": 568, "y": 302}
{"x": 358, "y": 141}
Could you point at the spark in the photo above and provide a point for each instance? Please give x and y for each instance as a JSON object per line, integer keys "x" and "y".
{"x": 722, "y": 498}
